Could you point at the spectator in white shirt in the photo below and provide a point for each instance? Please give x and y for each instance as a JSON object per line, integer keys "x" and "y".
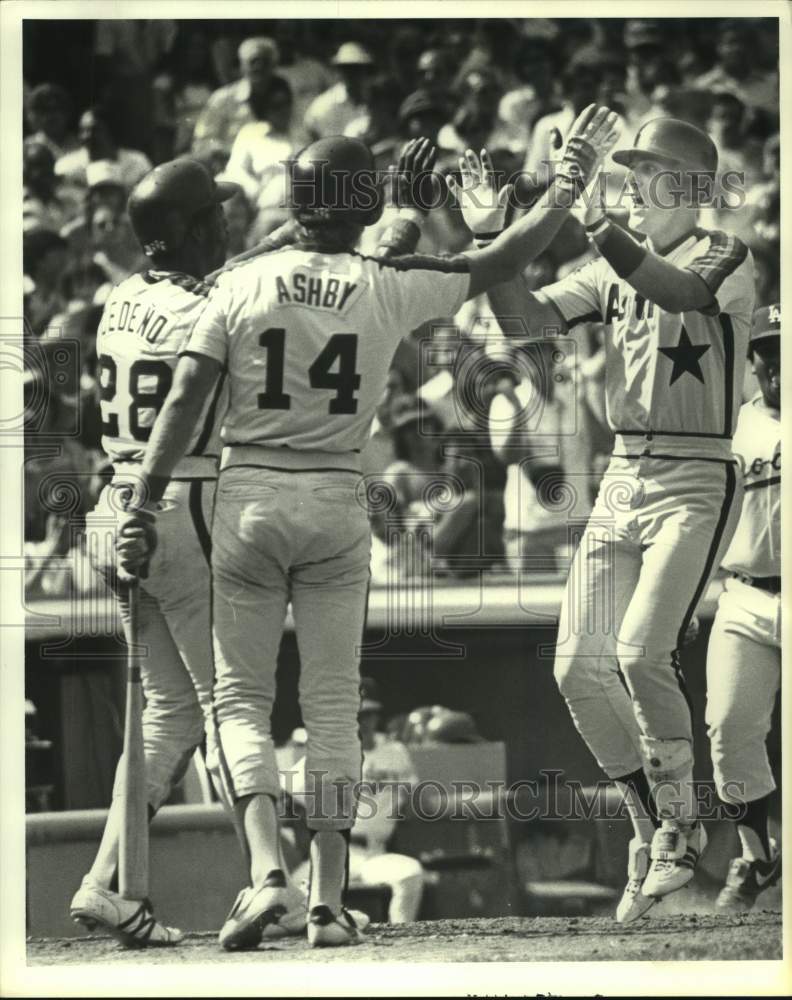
{"x": 229, "y": 107}
{"x": 49, "y": 113}
{"x": 97, "y": 138}
{"x": 332, "y": 111}
{"x": 736, "y": 71}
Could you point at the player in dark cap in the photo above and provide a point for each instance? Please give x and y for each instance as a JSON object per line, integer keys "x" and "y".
{"x": 744, "y": 653}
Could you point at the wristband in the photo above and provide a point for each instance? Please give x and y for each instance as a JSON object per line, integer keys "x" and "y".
{"x": 484, "y": 239}
{"x": 401, "y": 236}
{"x": 597, "y": 227}
{"x": 619, "y": 249}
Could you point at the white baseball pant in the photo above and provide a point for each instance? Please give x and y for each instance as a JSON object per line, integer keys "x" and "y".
{"x": 743, "y": 679}
{"x": 299, "y": 537}
{"x": 174, "y": 626}
{"x": 653, "y": 542}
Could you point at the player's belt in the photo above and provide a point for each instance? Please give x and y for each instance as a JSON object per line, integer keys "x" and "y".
{"x": 772, "y": 584}
{"x": 680, "y": 447}
{"x": 190, "y": 467}
{"x": 258, "y": 456}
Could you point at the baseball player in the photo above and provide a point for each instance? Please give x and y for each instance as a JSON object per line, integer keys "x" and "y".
{"x": 307, "y": 335}
{"x": 177, "y": 216}
{"x": 676, "y": 308}
{"x": 744, "y": 654}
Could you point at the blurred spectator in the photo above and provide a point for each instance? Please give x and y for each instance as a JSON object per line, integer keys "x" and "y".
{"x": 591, "y": 75}
{"x": 476, "y": 124}
{"x": 239, "y": 218}
{"x": 534, "y": 94}
{"x": 46, "y": 203}
{"x": 44, "y": 258}
{"x": 404, "y": 49}
{"x": 228, "y": 109}
{"x": 763, "y": 234}
{"x": 332, "y": 111}
{"x": 307, "y": 77}
{"x": 434, "y": 71}
{"x": 98, "y": 142}
{"x": 738, "y": 151}
{"x": 181, "y": 91}
{"x": 49, "y": 112}
{"x": 533, "y": 431}
{"x": 736, "y": 68}
{"x": 263, "y": 147}
{"x": 103, "y": 235}
{"x": 378, "y": 125}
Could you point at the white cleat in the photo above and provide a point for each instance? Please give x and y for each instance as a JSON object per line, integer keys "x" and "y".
{"x": 131, "y": 921}
{"x": 675, "y": 854}
{"x": 294, "y": 922}
{"x": 633, "y": 903}
{"x": 258, "y": 908}
{"x": 327, "y": 929}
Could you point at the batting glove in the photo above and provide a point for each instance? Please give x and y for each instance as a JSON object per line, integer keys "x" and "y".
{"x": 483, "y": 206}
{"x": 412, "y": 184}
{"x": 593, "y": 135}
{"x": 136, "y": 542}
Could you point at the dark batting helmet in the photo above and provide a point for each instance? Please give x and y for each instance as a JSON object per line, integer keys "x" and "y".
{"x": 766, "y": 325}
{"x": 334, "y": 180}
{"x": 164, "y": 203}
{"x": 673, "y": 142}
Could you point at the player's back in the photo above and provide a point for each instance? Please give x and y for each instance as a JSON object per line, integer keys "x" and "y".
{"x": 144, "y": 325}
{"x": 308, "y": 338}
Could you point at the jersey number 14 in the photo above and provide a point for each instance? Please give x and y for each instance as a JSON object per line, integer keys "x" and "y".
{"x": 341, "y": 348}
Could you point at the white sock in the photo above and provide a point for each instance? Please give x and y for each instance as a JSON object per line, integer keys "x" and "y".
{"x": 752, "y": 848}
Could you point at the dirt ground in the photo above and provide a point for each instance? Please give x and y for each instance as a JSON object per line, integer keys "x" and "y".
{"x": 504, "y": 939}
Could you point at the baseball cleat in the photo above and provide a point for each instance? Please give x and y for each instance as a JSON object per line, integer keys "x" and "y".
{"x": 746, "y": 879}
{"x": 131, "y": 921}
{"x": 257, "y": 908}
{"x": 675, "y": 854}
{"x": 330, "y": 930}
{"x": 633, "y": 903}
{"x": 293, "y": 923}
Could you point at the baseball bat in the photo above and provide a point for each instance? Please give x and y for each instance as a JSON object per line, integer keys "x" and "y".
{"x": 133, "y": 847}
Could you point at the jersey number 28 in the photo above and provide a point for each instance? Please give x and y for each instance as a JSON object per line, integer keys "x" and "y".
{"x": 141, "y": 386}
{"x": 340, "y": 348}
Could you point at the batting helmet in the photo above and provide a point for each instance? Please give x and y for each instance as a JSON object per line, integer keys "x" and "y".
{"x": 673, "y": 142}
{"x": 163, "y": 204}
{"x": 334, "y": 179}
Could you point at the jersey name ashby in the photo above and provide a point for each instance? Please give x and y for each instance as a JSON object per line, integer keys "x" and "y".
{"x": 322, "y": 292}
{"x": 130, "y": 317}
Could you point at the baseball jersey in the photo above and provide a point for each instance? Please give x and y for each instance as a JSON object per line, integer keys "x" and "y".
{"x": 756, "y": 546}
{"x": 308, "y": 337}
{"x": 143, "y": 327}
{"x": 677, "y": 374}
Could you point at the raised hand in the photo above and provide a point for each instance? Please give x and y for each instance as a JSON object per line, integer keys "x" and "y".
{"x": 592, "y": 136}
{"x": 483, "y": 206}
{"x": 412, "y": 176}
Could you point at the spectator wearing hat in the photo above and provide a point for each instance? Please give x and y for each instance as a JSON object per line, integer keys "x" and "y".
{"x": 434, "y": 71}
{"x": 378, "y": 126}
{"x": 647, "y": 55}
{"x": 229, "y": 107}
{"x": 532, "y": 97}
{"x": 98, "y": 142}
{"x": 49, "y": 114}
{"x": 46, "y": 202}
{"x": 476, "y": 123}
{"x": 332, "y": 111}
{"x": 388, "y": 776}
{"x": 736, "y": 69}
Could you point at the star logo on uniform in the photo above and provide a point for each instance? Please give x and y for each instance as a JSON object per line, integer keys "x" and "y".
{"x": 685, "y": 357}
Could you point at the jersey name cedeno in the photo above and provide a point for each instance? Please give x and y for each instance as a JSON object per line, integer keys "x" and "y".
{"x": 322, "y": 293}
{"x": 128, "y": 317}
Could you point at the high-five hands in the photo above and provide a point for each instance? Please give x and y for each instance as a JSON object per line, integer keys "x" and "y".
{"x": 484, "y": 207}
{"x": 411, "y": 177}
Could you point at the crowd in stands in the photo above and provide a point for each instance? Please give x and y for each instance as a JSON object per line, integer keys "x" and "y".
{"x": 106, "y": 102}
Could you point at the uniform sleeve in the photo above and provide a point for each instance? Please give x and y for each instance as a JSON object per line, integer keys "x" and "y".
{"x": 726, "y": 268}
{"x": 209, "y": 336}
{"x": 417, "y": 289}
{"x": 576, "y": 297}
